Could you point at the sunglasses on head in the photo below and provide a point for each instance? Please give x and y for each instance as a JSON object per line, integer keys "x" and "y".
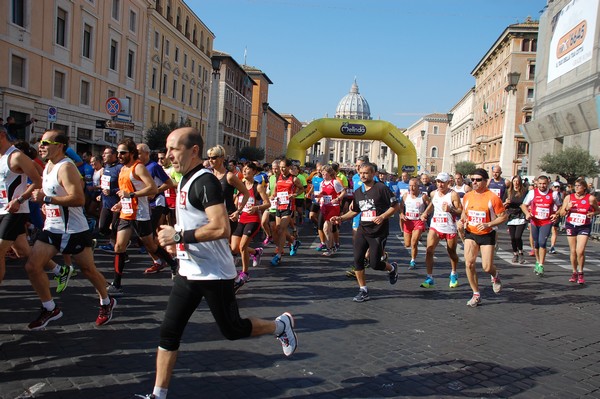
{"x": 477, "y": 179}
{"x": 122, "y": 152}
{"x": 48, "y": 142}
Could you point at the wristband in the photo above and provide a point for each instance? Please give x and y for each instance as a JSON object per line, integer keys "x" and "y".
{"x": 132, "y": 195}
{"x": 20, "y": 200}
{"x": 189, "y": 236}
{"x": 47, "y": 200}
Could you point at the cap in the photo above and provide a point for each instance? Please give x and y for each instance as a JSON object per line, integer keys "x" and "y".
{"x": 556, "y": 184}
{"x": 443, "y": 177}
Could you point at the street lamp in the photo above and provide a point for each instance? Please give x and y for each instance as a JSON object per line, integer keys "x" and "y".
{"x": 450, "y": 116}
{"x": 513, "y": 80}
{"x": 263, "y": 130}
{"x": 212, "y": 138}
{"x": 423, "y": 151}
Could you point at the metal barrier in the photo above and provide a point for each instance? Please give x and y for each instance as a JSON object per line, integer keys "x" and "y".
{"x": 595, "y": 227}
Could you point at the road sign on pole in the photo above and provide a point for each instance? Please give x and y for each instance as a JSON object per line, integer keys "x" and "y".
{"x": 52, "y": 113}
{"x": 113, "y": 106}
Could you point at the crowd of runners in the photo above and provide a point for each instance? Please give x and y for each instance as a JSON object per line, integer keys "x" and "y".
{"x": 209, "y": 219}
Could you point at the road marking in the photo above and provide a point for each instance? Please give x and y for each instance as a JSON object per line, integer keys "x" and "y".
{"x": 29, "y": 392}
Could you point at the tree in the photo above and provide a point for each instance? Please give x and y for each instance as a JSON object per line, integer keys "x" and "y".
{"x": 251, "y": 153}
{"x": 156, "y": 136}
{"x": 465, "y": 168}
{"x": 570, "y": 163}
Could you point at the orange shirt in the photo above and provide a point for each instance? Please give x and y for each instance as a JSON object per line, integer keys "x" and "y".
{"x": 481, "y": 208}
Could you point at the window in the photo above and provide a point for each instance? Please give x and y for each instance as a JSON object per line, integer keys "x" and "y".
{"x": 116, "y": 8}
{"x": 174, "y": 89}
{"x": 153, "y": 85}
{"x": 59, "y": 84}
{"x": 167, "y": 43}
{"x": 176, "y": 54}
{"x": 530, "y": 94}
{"x": 132, "y": 21}
{"x": 83, "y": 133}
{"x": 85, "y": 93}
{"x": 434, "y": 152}
{"x": 185, "y": 60}
{"x": 156, "y": 39}
{"x": 113, "y": 55}
{"x": 193, "y": 65}
{"x": 436, "y": 129}
{"x": 152, "y": 112}
{"x": 129, "y": 107}
{"x": 531, "y": 71}
{"x": 522, "y": 148}
{"x": 61, "y": 27}
{"x": 164, "y": 85}
{"x": 18, "y": 12}
{"x": 17, "y": 71}
{"x": 86, "y": 50}
{"x": 130, "y": 63}
{"x": 111, "y": 93}
{"x": 191, "y": 97}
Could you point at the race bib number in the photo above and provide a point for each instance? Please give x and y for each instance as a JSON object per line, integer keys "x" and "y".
{"x": 476, "y": 217}
{"x": 326, "y": 199}
{"x": 167, "y": 193}
{"x": 273, "y": 204}
{"x": 126, "y": 206}
{"x": 3, "y": 194}
{"x": 105, "y": 182}
{"x": 577, "y": 219}
{"x": 439, "y": 219}
{"x": 54, "y": 217}
{"x": 412, "y": 213}
{"x": 542, "y": 213}
{"x": 283, "y": 198}
{"x": 368, "y": 216}
{"x": 249, "y": 204}
{"x": 181, "y": 251}
{"x": 496, "y": 191}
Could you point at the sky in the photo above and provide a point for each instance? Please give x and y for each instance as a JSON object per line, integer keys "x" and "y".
{"x": 410, "y": 58}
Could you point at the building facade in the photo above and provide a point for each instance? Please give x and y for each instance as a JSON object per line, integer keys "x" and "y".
{"x": 64, "y": 59}
{"x": 504, "y": 92}
{"x": 293, "y": 127}
{"x": 260, "y": 106}
{"x": 458, "y": 141}
{"x": 428, "y": 135}
{"x": 567, "y": 89}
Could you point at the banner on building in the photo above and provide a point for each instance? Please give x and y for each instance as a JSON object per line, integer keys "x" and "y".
{"x": 572, "y": 43}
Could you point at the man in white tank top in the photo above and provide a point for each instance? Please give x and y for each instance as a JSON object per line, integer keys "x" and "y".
{"x": 65, "y": 230}
{"x": 15, "y": 168}
{"x": 461, "y": 188}
{"x": 206, "y": 268}
{"x": 446, "y": 208}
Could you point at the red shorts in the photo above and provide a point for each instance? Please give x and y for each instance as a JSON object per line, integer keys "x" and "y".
{"x": 410, "y": 225}
{"x": 444, "y": 236}
{"x": 329, "y": 211}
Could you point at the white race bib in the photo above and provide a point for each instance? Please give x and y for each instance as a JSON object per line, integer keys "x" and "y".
{"x": 126, "y": 206}
{"x": 283, "y": 197}
{"x": 577, "y": 219}
{"x": 105, "y": 182}
{"x": 326, "y": 199}
{"x": 412, "y": 213}
{"x": 542, "y": 213}
{"x": 181, "y": 252}
{"x": 476, "y": 217}
{"x": 54, "y": 217}
{"x": 3, "y": 194}
{"x": 496, "y": 191}
{"x": 368, "y": 216}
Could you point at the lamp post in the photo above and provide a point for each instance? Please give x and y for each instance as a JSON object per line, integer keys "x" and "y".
{"x": 212, "y": 138}
{"x": 423, "y": 151}
{"x": 263, "y": 129}
{"x": 507, "y": 153}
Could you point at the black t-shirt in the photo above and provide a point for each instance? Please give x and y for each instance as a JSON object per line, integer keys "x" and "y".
{"x": 205, "y": 191}
{"x": 379, "y": 199}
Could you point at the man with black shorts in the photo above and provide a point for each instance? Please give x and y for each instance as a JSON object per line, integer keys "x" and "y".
{"x": 65, "y": 230}
{"x": 109, "y": 184}
{"x": 206, "y": 264}
{"x": 376, "y": 204}
{"x": 483, "y": 210}
{"x": 15, "y": 168}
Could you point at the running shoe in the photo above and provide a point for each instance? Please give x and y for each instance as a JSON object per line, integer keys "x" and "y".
{"x": 474, "y": 301}
{"x": 336, "y": 247}
{"x": 496, "y": 284}
{"x": 362, "y": 296}
{"x": 573, "y": 278}
{"x": 552, "y": 251}
{"x": 522, "y": 259}
{"x": 45, "y": 317}
{"x": 540, "y": 271}
{"x": 114, "y": 290}
{"x": 328, "y": 252}
{"x": 237, "y": 284}
{"x": 412, "y": 264}
{"x": 288, "y": 338}
{"x": 515, "y": 259}
{"x": 147, "y": 396}
{"x": 155, "y": 268}
{"x": 453, "y": 280}
{"x": 276, "y": 260}
{"x": 351, "y": 273}
{"x": 532, "y": 253}
{"x": 321, "y": 247}
{"x": 580, "y": 279}
{"x": 106, "y": 312}
{"x": 294, "y": 247}
{"x": 107, "y": 248}
{"x": 267, "y": 241}
{"x": 428, "y": 283}
{"x": 244, "y": 276}
{"x": 536, "y": 268}
{"x": 393, "y": 275}
{"x": 63, "y": 278}
{"x": 256, "y": 256}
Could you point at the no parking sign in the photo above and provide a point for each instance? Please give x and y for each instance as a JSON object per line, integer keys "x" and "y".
{"x": 113, "y": 106}
{"x": 52, "y": 113}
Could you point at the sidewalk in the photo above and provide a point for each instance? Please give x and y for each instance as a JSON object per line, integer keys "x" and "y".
{"x": 537, "y": 338}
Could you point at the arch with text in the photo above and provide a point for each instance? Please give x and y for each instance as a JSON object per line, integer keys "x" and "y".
{"x": 355, "y": 129}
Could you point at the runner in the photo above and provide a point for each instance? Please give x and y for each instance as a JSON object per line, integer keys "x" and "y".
{"x": 330, "y": 196}
{"x": 412, "y": 207}
{"x": 516, "y": 218}
{"x": 461, "y": 188}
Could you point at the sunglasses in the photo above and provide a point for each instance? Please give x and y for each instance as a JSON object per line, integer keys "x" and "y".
{"x": 213, "y": 158}
{"x": 161, "y": 158}
{"x": 477, "y": 179}
{"x": 48, "y": 142}
{"x": 122, "y": 152}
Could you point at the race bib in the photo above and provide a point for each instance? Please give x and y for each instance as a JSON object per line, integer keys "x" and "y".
{"x": 326, "y": 199}
{"x": 368, "y": 216}
{"x": 54, "y": 217}
{"x": 403, "y": 191}
{"x": 126, "y": 206}
{"x": 273, "y": 204}
{"x": 3, "y": 194}
{"x": 249, "y": 204}
{"x": 476, "y": 217}
{"x": 542, "y": 213}
{"x": 167, "y": 193}
{"x": 105, "y": 182}
{"x": 439, "y": 219}
{"x": 412, "y": 213}
{"x": 577, "y": 219}
{"x": 181, "y": 251}
{"x": 496, "y": 191}
{"x": 283, "y": 198}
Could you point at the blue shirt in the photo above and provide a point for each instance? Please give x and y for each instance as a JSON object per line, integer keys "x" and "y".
{"x": 108, "y": 201}
{"x": 159, "y": 176}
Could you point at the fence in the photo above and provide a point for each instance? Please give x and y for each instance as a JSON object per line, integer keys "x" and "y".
{"x": 596, "y": 227}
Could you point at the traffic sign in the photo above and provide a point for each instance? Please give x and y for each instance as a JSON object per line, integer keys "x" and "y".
{"x": 122, "y": 117}
{"x": 112, "y": 133}
{"x": 52, "y": 113}
{"x": 120, "y": 125}
{"x": 113, "y": 106}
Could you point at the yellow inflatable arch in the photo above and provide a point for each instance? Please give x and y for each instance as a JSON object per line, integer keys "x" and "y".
{"x": 355, "y": 129}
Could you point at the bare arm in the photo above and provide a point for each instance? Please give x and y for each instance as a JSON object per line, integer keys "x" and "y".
{"x": 216, "y": 228}
{"x": 70, "y": 179}
{"x": 148, "y": 191}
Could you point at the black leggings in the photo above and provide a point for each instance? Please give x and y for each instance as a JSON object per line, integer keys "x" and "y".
{"x": 516, "y": 237}
{"x": 185, "y": 298}
{"x": 376, "y": 247}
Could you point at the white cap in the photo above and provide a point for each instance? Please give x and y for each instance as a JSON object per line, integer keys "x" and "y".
{"x": 443, "y": 177}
